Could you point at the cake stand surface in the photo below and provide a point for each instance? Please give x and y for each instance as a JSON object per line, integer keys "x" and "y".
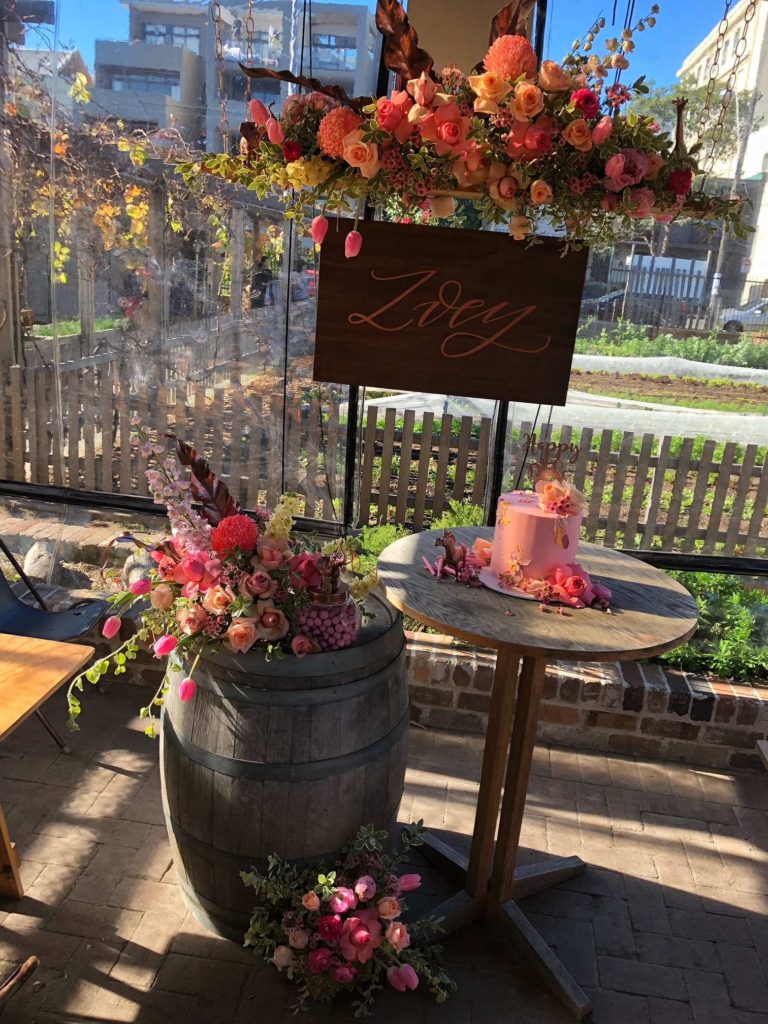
{"x": 650, "y": 614}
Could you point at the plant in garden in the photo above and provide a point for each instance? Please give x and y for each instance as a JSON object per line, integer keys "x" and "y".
{"x": 341, "y": 930}
{"x": 225, "y": 580}
{"x": 733, "y": 629}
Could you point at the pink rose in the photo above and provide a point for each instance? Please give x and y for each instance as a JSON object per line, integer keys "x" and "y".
{"x": 397, "y": 936}
{"x": 282, "y": 957}
{"x": 241, "y": 635}
{"x": 538, "y": 139}
{"x": 187, "y": 689}
{"x": 402, "y": 100}
{"x": 139, "y": 587}
{"x": 365, "y": 888}
{"x": 191, "y": 619}
{"x": 271, "y": 623}
{"x": 624, "y": 169}
{"x": 217, "y": 599}
{"x": 310, "y": 901}
{"x": 343, "y": 900}
{"x": 507, "y": 186}
{"x": 361, "y": 154}
{"x": 447, "y": 129}
{"x": 408, "y": 883}
{"x": 165, "y": 645}
{"x": 258, "y": 584}
{"x": 302, "y": 645}
{"x": 602, "y": 130}
{"x": 330, "y": 928}
{"x": 344, "y": 974}
{"x": 402, "y": 977}
{"x": 586, "y": 101}
{"x": 641, "y": 203}
{"x": 319, "y": 960}
{"x": 270, "y": 554}
{"x": 388, "y": 907}
{"x": 573, "y": 585}
{"x": 162, "y": 597}
{"x": 304, "y": 571}
{"x": 111, "y": 627}
{"x": 393, "y": 118}
{"x": 361, "y": 936}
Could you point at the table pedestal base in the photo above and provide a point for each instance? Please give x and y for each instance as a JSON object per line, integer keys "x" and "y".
{"x": 463, "y": 908}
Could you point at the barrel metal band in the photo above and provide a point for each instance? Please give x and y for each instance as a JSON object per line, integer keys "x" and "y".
{"x": 240, "y": 861}
{"x": 297, "y": 698}
{"x": 303, "y": 772}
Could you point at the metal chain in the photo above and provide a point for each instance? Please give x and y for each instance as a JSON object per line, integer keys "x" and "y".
{"x": 714, "y": 70}
{"x": 250, "y": 29}
{"x": 730, "y": 84}
{"x": 219, "y": 49}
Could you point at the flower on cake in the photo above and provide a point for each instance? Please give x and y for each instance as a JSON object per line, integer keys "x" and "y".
{"x": 575, "y": 587}
{"x": 559, "y": 497}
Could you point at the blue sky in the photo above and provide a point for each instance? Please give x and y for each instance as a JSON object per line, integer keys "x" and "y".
{"x": 681, "y": 25}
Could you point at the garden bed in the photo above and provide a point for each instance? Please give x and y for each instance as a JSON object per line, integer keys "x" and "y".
{"x": 695, "y": 393}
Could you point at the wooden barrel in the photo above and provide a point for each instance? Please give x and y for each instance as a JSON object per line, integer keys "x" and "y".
{"x": 289, "y": 756}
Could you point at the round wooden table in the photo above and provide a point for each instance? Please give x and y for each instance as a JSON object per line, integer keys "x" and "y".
{"x": 650, "y": 613}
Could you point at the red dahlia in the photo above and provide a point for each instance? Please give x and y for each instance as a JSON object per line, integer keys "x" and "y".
{"x": 235, "y": 532}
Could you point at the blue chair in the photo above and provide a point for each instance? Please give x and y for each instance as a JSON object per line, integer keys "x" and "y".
{"x": 20, "y": 619}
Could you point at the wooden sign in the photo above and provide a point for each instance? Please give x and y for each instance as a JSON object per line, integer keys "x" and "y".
{"x": 452, "y": 312}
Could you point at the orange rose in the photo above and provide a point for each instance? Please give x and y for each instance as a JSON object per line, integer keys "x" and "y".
{"x": 541, "y": 193}
{"x": 241, "y": 635}
{"x": 552, "y": 78}
{"x": 489, "y": 88}
{"x": 361, "y": 154}
{"x": 579, "y": 135}
{"x": 655, "y": 164}
{"x": 217, "y": 599}
{"x": 529, "y": 101}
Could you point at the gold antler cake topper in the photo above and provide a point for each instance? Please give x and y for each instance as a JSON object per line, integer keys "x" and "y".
{"x": 547, "y": 460}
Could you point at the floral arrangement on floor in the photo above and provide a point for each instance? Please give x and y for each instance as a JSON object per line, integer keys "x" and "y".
{"x": 533, "y": 144}
{"x": 225, "y": 580}
{"x": 340, "y": 931}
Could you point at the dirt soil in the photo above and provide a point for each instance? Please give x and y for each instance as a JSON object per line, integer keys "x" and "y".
{"x": 667, "y": 389}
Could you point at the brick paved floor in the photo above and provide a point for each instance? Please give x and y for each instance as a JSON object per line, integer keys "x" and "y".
{"x": 668, "y": 925}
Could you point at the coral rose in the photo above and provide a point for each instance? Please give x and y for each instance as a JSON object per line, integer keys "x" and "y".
{"x": 541, "y": 192}
{"x": 217, "y": 599}
{"x": 302, "y": 645}
{"x": 511, "y": 57}
{"x": 310, "y": 901}
{"x": 447, "y": 129}
{"x": 241, "y": 635}
{"x": 298, "y": 938}
{"x": 552, "y": 78}
{"x": 579, "y": 135}
{"x": 393, "y": 118}
{"x": 334, "y": 128}
{"x": 271, "y": 623}
{"x": 529, "y": 101}
{"x": 489, "y": 88}
{"x": 388, "y": 908}
{"x": 656, "y": 163}
{"x": 162, "y": 597}
{"x": 481, "y": 550}
{"x": 361, "y": 154}
{"x": 191, "y": 620}
{"x": 397, "y": 936}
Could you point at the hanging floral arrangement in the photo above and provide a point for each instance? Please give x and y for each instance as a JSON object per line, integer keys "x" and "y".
{"x": 539, "y": 146}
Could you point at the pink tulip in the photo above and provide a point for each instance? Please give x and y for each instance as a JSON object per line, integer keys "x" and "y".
{"x": 407, "y": 883}
{"x": 275, "y": 132}
{"x": 259, "y": 113}
{"x": 165, "y": 645}
{"x": 111, "y": 627}
{"x": 319, "y": 229}
{"x": 140, "y": 587}
{"x": 403, "y": 977}
{"x": 187, "y": 689}
{"x": 353, "y": 244}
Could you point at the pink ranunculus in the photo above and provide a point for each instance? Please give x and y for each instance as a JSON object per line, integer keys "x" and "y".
{"x": 302, "y": 645}
{"x": 187, "y": 689}
{"x": 641, "y": 203}
{"x": 446, "y": 129}
{"x": 624, "y": 169}
{"x": 258, "y": 584}
{"x": 139, "y": 587}
{"x": 393, "y": 118}
{"x": 304, "y": 571}
{"x": 319, "y": 229}
{"x": 191, "y": 619}
{"x": 344, "y": 974}
{"x": 343, "y": 900}
{"x": 602, "y": 130}
{"x": 217, "y": 599}
{"x": 165, "y": 645}
{"x": 271, "y": 554}
{"x": 111, "y": 627}
{"x": 271, "y": 623}
{"x": 319, "y": 960}
{"x": 330, "y": 928}
{"x": 353, "y": 243}
{"x": 310, "y": 901}
{"x": 241, "y": 635}
{"x": 365, "y": 888}
{"x": 361, "y": 936}
{"x": 397, "y": 936}
{"x": 162, "y": 597}
{"x": 291, "y": 151}
{"x": 275, "y": 131}
{"x": 408, "y": 883}
{"x": 403, "y": 977}
{"x": 388, "y": 908}
{"x": 586, "y": 101}
{"x": 259, "y": 113}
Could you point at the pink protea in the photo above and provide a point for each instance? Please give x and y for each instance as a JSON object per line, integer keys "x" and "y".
{"x": 334, "y": 128}
{"x": 511, "y": 57}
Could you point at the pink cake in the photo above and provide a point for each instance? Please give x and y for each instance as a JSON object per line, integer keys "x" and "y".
{"x": 530, "y": 539}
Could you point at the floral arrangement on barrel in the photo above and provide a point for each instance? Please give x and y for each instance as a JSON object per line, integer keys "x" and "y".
{"x": 341, "y": 931}
{"x": 533, "y": 144}
{"x": 225, "y": 581}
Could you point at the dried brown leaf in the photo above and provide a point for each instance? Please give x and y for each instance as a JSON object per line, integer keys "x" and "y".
{"x": 207, "y": 488}
{"x": 402, "y": 53}
{"x": 511, "y": 20}
{"x": 336, "y": 92}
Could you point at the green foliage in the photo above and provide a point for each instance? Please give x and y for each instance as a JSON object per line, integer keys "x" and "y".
{"x": 371, "y": 541}
{"x": 66, "y": 327}
{"x": 461, "y": 513}
{"x": 631, "y": 340}
{"x": 733, "y": 627}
